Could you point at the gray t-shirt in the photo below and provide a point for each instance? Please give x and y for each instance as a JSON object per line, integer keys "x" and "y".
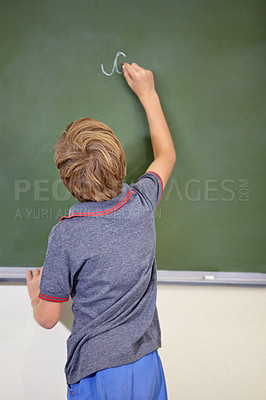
{"x": 103, "y": 256}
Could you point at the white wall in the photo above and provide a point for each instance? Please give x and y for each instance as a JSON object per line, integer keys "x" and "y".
{"x": 213, "y": 344}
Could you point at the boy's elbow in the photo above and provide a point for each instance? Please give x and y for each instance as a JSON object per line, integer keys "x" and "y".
{"x": 169, "y": 157}
{"x": 173, "y": 157}
{"x": 171, "y": 161}
{"x": 47, "y": 324}
{"x": 44, "y": 322}
{"x": 47, "y": 314}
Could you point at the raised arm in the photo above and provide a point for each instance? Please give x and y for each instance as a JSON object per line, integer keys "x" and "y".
{"x": 141, "y": 81}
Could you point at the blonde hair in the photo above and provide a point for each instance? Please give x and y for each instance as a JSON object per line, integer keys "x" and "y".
{"x": 91, "y": 160}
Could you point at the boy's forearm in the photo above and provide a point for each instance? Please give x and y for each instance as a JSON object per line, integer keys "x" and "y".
{"x": 35, "y": 306}
{"x": 46, "y": 313}
{"x": 161, "y": 139}
{"x": 141, "y": 81}
{"x": 37, "y": 312}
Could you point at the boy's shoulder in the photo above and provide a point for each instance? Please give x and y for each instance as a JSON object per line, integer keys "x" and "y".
{"x": 59, "y": 231}
{"x": 150, "y": 187}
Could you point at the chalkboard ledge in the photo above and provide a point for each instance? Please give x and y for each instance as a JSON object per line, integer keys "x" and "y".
{"x": 18, "y": 274}
{"x": 212, "y": 278}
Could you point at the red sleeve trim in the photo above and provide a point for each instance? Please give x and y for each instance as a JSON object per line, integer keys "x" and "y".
{"x": 155, "y": 173}
{"x": 52, "y": 298}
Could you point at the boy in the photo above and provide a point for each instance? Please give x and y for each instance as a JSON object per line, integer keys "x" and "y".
{"x": 103, "y": 255}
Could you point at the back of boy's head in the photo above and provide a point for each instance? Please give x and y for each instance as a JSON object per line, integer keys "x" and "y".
{"x": 91, "y": 160}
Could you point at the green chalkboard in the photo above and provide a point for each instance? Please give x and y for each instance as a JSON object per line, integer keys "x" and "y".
{"x": 208, "y": 59}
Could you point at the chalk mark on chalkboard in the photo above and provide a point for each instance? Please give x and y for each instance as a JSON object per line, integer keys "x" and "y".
{"x": 119, "y": 53}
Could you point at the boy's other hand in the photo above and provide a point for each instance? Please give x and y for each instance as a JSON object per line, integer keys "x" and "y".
{"x": 33, "y": 282}
{"x": 140, "y": 80}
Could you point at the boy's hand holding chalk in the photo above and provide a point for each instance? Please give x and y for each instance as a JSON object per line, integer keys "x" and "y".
{"x": 140, "y": 80}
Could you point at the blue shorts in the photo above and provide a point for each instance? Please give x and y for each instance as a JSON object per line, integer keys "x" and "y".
{"x": 141, "y": 380}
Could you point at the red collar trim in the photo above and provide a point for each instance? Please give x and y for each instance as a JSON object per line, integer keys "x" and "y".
{"x": 103, "y": 212}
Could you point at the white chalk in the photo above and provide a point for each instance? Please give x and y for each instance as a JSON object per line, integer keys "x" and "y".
{"x": 209, "y": 277}
{"x": 119, "y": 53}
